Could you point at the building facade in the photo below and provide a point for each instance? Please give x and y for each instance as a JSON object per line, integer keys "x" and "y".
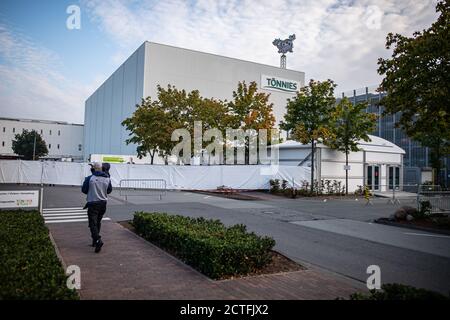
{"x": 155, "y": 64}
{"x": 417, "y": 158}
{"x": 64, "y": 140}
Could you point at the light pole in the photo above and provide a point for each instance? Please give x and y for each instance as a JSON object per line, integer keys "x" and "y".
{"x": 34, "y": 146}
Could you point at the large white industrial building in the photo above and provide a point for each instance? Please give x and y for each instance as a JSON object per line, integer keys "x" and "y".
{"x": 155, "y": 64}
{"x": 64, "y": 140}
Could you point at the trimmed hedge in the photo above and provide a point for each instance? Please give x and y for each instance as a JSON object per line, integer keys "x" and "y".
{"x": 29, "y": 266}
{"x": 207, "y": 245}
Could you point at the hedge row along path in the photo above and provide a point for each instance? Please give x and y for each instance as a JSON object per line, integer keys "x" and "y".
{"x": 129, "y": 267}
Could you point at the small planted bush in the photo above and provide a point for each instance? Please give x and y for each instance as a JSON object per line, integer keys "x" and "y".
{"x": 29, "y": 267}
{"x": 396, "y": 291}
{"x": 207, "y": 245}
{"x": 274, "y": 185}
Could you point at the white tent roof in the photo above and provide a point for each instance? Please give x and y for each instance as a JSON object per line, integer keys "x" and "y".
{"x": 376, "y": 144}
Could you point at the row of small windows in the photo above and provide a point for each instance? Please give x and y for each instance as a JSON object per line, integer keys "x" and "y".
{"x": 49, "y": 146}
{"x": 41, "y": 131}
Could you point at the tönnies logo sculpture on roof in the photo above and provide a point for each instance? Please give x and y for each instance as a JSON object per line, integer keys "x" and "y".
{"x": 279, "y": 84}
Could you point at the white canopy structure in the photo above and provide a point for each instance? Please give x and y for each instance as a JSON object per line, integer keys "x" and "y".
{"x": 378, "y": 164}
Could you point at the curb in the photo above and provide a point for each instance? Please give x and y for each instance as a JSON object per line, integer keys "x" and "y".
{"x": 60, "y": 257}
{"x": 401, "y": 225}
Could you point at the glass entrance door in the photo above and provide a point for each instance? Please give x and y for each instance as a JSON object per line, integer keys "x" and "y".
{"x": 393, "y": 177}
{"x": 373, "y": 177}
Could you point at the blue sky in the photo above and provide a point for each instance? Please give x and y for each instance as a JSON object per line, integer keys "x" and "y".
{"x": 44, "y": 23}
{"x": 47, "y": 71}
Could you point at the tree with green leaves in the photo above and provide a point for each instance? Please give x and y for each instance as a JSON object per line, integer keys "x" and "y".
{"x": 308, "y": 114}
{"x": 150, "y": 128}
{"x": 417, "y": 83}
{"x": 349, "y": 123}
{"x": 152, "y": 124}
{"x": 29, "y": 145}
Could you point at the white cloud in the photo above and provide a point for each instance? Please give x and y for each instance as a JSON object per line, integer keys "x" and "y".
{"x": 335, "y": 39}
{"x": 32, "y": 85}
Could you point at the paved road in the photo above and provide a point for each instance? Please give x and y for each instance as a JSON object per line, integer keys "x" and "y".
{"x": 335, "y": 235}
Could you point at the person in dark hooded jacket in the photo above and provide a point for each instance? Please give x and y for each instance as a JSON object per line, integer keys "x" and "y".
{"x": 97, "y": 187}
{"x": 105, "y": 168}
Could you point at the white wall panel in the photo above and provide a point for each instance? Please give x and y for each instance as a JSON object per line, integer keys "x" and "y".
{"x": 129, "y": 98}
{"x": 107, "y": 117}
{"x": 116, "y": 133}
{"x": 374, "y": 157}
{"x": 176, "y": 177}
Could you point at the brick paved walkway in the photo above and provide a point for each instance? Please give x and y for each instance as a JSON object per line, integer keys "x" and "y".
{"x": 129, "y": 267}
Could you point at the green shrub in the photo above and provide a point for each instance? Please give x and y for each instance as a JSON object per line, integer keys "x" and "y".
{"x": 29, "y": 267}
{"x": 274, "y": 185}
{"x": 396, "y": 291}
{"x": 425, "y": 208}
{"x": 207, "y": 245}
{"x": 290, "y": 193}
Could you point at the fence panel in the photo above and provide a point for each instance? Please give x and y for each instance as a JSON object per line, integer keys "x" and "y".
{"x": 439, "y": 200}
{"x": 142, "y": 187}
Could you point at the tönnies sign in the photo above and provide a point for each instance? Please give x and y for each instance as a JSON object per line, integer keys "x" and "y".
{"x": 279, "y": 84}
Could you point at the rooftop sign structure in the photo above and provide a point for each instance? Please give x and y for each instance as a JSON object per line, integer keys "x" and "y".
{"x": 284, "y": 46}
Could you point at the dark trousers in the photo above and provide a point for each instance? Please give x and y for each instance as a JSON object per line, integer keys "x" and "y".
{"x": 95, "y": 216}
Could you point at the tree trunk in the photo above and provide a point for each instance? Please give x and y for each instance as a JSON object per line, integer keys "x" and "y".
{"x": 346, "y": 173}
{"x": 152, "y": 155}
{"x": 312, "y": 166}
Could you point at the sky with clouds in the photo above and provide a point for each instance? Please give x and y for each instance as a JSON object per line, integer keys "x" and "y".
{"x": 47, "y": 70}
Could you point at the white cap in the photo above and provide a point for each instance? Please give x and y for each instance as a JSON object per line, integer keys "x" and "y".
{"x": 97, "y": 166}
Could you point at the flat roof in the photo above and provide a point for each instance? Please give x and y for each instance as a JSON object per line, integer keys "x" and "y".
{"x": 41, "y": 121}
{"x": 222, "y": 56}
{"x": 376, "y": 144}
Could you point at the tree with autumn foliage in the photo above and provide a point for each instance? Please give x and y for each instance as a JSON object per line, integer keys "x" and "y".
{"x": 417, "y": 83}
{"x": 153, "y": 122}
{"x": 308, "y": 114}
{"x": 251, "y": 110}
{"x": 348, "y": 124}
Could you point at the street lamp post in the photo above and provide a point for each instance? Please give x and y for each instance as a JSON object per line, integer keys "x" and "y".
{"x": 34, "y": 146}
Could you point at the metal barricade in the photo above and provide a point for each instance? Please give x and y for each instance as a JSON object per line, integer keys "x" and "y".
{"x": 438, "y": 199}
{"x": 142, "y": 187}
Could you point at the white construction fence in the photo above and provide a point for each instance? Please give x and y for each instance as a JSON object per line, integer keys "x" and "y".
{"x": 177, "y": 177}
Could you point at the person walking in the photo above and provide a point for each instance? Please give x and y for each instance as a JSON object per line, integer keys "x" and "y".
{"x": 97, "y": 187}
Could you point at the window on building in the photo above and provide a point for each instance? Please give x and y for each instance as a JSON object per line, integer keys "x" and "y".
{"x": 3, "y": 143}
{"x": 4, "y": 129}
{"x": 42, "y": 131}
{"x": 14, "y": 130}
{"x": 57, "y": 146}
{"x": 59, "y": 132}
{"x": 49, "y": 145}
{"x": 50, "y": 132}
{"x": 79, "y": 147}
